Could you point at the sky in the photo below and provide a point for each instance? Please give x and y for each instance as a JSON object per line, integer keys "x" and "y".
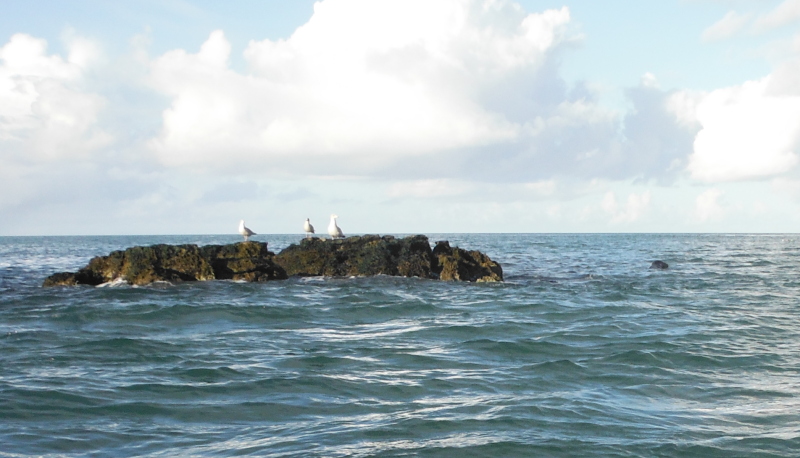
{"x": 400, "y": 116}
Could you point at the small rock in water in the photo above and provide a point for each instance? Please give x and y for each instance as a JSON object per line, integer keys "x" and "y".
{"x": 659, "y": 265}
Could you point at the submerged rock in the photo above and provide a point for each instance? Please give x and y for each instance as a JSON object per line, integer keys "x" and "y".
{"x": 661, "y": 265}
{"x": 366, "y": 255}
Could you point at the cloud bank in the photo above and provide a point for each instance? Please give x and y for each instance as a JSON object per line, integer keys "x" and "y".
{"x": 453, "y": 99}
{"x": 367, "y": 89}
{"x": 371, "y": 89}
{"x": 365, "y": 85}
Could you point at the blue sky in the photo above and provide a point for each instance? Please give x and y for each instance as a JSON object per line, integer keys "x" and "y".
{"x": 171, "y": 117}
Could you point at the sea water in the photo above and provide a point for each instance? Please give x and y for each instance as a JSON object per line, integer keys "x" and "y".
{"x": 583, "y": 351}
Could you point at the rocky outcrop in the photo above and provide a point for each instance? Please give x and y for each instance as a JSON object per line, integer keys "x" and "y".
{"x": 366, "y": 255}
{"x": 249, "y": 261}
{"x": 374, "y": 255}
{"x": 457, "y": 264}
{"x": 359, "y": 256}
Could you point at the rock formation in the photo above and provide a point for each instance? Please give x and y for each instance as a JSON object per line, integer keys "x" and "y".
{"x": 661, "y": 265}
{"x": 359, "y": 256}
{"x": 251, "y": 261}
{"x": 457, "y": 264}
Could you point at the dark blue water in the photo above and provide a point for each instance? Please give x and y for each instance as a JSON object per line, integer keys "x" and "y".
{"x": 583, "y": 351}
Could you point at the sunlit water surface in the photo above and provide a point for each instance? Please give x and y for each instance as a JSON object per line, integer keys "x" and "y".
{"x": 583, "y": 351}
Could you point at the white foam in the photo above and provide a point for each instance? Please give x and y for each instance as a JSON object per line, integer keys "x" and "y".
{"x": 117, "y": 282}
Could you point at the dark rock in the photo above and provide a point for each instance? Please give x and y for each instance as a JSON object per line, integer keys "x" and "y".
{"x": 457, "y": 264}
{"x": 176, "y": 263}
{"x": 143, "y": 265}
{"x": 659, "y": 265}
{"x": 359, "y": 256}
{"x": 248, "y": 261}
{"x": 367, "y": 255}
{"x": 61, "y": 279}
{"x": 373, "y": 255}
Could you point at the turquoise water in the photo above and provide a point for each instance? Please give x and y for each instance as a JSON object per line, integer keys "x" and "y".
{"x": 583, "y": 351}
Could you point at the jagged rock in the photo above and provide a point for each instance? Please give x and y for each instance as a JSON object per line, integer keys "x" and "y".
{"x": 250, "y": 261}
{"x": 373, "y": 255}
{"x": 457, "y": 264}
{"x": 661, "y": 265}
{"x": 359, "y": 256}
{"x": 67, "y": 279}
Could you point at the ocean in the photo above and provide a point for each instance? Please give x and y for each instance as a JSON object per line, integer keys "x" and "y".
{"x": 583, "y": 351}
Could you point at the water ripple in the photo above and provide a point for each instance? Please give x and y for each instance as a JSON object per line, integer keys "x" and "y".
{"x": 584, "y": 351}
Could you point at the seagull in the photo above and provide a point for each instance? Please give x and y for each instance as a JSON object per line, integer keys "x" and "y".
{"x": 308, "y": 228}
{"x": 245, "y": 231}
{"x": 333, "y": 229}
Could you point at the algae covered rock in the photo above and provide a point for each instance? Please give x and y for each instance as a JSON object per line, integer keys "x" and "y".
{"x": 359, "y": 256}
{"x": 143, "y": 265}
{"x": 139, "y": 265}
{"x": 374, "y": 255}
{"x": 250, "y": 261}
{"x": 457, "y": 264}
{"x": 82, "y": 277}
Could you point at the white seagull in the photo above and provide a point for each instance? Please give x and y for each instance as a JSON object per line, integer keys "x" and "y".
{"x": 333, "y": 230}
{"x": 308, "y": 228}
{"x": 245, "y": 231}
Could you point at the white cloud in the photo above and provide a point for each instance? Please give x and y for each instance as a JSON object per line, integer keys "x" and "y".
{"x": 82, "y": 52}
{"x": 365, "y": 85}
{"x": 634, "y": 208}
{"x": 369, "y": 88}
{"x": 683, "y": 105}
{"x": 726, "y": 27}
{"x": 783, "y": 82}
{"x": 44, "y": 111}
{"x": 543, "y": 188}
{"x": 785, "y": 13}
{"x": 747, "y": 133}
{"x": 428, "y": 188}
{"x": 50, "y": 133}
{"x": 733, "y": 23}
{"x": 649, "y": 80}
{"x": 707, "y": 206}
